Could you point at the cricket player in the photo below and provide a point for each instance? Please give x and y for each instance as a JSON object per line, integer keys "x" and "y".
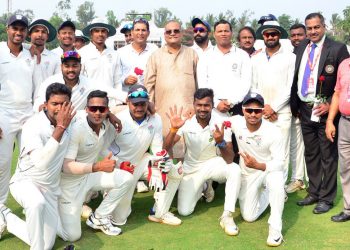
{"x": 16, "y": 91}
{"x": 261, "y": 149}
{"x": 82, "y": 172}
{"x": 208, "y": 156}
{"x": 140, "y": 133}
{"x": 35, "y": 184}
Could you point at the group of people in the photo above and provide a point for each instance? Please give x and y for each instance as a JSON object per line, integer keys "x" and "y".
{"x": 84, "y": 118}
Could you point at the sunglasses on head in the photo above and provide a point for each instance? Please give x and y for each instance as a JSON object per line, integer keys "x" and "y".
{"x": 138, "y": 93}
{"x": 169, "y": 32}
{"x": 199, "y": 29}
{"x": 255, "y": 110}
{"x": 272, "y": 34}
{"x": 94, "y": 109}
{"x": 140, "y": 20}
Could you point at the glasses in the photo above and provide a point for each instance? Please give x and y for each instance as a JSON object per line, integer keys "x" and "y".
{"x": 272, "y": 34}
{"x": 169, "y": 32}
{"x": 94, "y": 109}
{"x": 255, "y": 110}
{"x": 139, "y": 93}
{"x": 199, "y": 29}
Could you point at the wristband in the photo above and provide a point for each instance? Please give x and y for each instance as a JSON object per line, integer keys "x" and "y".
{"x": 60, "y": 126}
{"x": 173, "y": 130}
{"x": 221, "y": 144}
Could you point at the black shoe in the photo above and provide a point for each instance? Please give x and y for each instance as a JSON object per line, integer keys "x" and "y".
{"x": 308, "y": 200}
{"x": 341, "y": 217}
{"x": 322, "y": 207}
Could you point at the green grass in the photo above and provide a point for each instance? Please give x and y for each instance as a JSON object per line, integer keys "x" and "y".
{"x": 301, "y": 229}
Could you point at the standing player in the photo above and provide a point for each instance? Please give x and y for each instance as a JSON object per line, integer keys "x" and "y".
{"x": 208, "y": 156}
{"x": 66, "y": 37}
{"x": 82, "y": 172}
{"x": 35, "y": 184}
{"x": 262, "y": 155}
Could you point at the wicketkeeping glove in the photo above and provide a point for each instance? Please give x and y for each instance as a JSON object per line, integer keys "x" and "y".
{"x": 127, "y": 166}
{"x": 157, "y": 180}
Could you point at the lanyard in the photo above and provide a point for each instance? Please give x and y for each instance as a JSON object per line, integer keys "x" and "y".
{"x": 312, "y": 65}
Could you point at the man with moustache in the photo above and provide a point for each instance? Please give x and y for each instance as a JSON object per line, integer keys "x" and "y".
{"x": 201, "y": 33}
{"x": 66, "y": 38}
{"x": 246, "y": 38}
{"x": 317, "y": 56}
{"x": 273, "y": 70}
{"x": 16, "y": 91}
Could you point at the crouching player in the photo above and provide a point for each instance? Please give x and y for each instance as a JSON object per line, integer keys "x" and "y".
{"x": 208, "y": 156}
{"x": 82, "y": 172}
{"x": 261, "y": 150}
{"x": 35, "y": 184}
{"x": 142, "y": 134}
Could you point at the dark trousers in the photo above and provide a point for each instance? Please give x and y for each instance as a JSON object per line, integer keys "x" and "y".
{"x": 321, "y": 156}
{"x": 236, "y": 110}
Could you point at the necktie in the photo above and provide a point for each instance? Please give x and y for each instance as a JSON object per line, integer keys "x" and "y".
{"x": 307, "y": 72}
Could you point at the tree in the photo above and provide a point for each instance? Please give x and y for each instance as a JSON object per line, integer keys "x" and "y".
{"x": 254, "y": 24}
{"x": 85, "y": 13}
{"x": 285, "y": 21}
{"x": 62, "y": 7}
{"x": 162, "y": 16}
{"x": 244, "y": 19}
{"x": 112, "y": 19}
{"x": 335, "y": 23}
{"x": 345, "y": 25}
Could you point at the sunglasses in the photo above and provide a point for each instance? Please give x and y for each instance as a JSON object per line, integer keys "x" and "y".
{"x": 139, "y": 93}
{"x": 272, "y": 34}
{"x": 94, "y": 109}
{"x": 199, "y": 29}
{"x": 255, "y": 110}
{"x": 169, "y": 32}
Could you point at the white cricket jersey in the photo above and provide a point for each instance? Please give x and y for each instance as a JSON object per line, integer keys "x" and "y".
{"x": 41, "y": 156}
{"x": 16, "y": 79}
{"x": 199, "y": 50}
{"x": 85, "y": 145}
{"x": 273, "y": 78}
{"x": 50, "y": 64}
{"x": 229, "y": 74}
{"x": 134, "y": 140}
{"x": 265, "y": 144}
{"x": 200, "y": 144}
{"x": 128, "y": 59}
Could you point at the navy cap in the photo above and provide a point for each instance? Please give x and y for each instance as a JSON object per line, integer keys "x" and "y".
{"x": 137, "y": 93}
{"x": 127, "y": 27}
{"x": 269, "y": 17}
{"x": 18, "y": 18}
{"x": 66, "y": 24}
{"x": 196, "y": 21}
{"x": 251, "y": 96}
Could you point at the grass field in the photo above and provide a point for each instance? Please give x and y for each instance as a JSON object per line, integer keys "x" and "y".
{"x": 301, "y": 229}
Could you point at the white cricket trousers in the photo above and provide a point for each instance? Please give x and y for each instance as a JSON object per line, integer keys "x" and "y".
{"x": 260, "y": 189}
{"x": 73, "y": 196}
{"x": 216, "y": 169}
{"x": 163, "y": 199}
{"x": 11, "y": 122}
{"x": 297, "y": 148}
{"x": 41, "y": 210}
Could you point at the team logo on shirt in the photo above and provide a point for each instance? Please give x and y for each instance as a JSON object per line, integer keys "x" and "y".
{"x": 47, "y": 64}
{"x": 82, "y": 90}
{"x": 150, "y": 128}
{"x": 28, "y": 61}
{"x": 329, "y": 69}
{"x": 256, "y": 139}
{"x": 234, "y": 67}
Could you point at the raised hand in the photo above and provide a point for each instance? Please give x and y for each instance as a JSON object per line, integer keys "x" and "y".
{"x": 175, "y": 117}
{"x": 65, "y": 115}
{"x": 218, "y": 134}
{"x": 117, "y": 124}
{"x": 106, "y": 165}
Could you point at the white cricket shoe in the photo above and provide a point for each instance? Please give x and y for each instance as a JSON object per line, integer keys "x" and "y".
{"x": 3, "y": 212}
{"x": 209, "y": 193}
{"x": 275, "y": 238}
{"x": 104, "y": 224}
{"x": 227, "y": 223}
{"x": 294, "y": 186}
{"x": 168, "y": 218}
{"x": 141, "y": 187}
{"x": 86, "y": 211}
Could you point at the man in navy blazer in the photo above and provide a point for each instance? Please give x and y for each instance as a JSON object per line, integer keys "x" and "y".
{"x": 317, "y": 61}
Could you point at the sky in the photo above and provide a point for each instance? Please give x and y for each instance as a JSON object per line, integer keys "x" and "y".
{"x": 184, "y": 9}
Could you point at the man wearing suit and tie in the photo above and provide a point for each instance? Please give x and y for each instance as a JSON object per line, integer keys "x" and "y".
{"x": 317, "y": 56}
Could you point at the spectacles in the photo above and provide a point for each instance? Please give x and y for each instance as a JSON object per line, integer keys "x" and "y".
{"x": 199, "y": 29}
{"x": 94, "y": 109}
{"x": 169, "y": 32}
{"x": 272, "y": 34}
{"x": 138, "y": 93}
{"x": 255, "y": 110}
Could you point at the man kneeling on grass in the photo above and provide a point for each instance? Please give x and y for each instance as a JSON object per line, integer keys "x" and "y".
{"x": 208, "y": 156}
{"x": 262, "y": 183}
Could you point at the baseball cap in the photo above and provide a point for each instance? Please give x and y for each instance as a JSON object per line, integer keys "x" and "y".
{"x": 66, "y": 24}
{"x": 18, "y": 18}
{"x": 70, "y": 55}
{"x": 127, "y": 27}
{"x": 137, "y": 93}
{"x": 196, "y": 21}
{"x": 253, "y": 97}
{"x": 269, "y": 17}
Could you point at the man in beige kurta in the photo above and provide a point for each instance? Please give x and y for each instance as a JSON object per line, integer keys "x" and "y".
{"x": 171, "y": 76}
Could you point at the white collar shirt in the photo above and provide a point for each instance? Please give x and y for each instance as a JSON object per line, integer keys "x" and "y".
{"x": 199, "y": 50}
